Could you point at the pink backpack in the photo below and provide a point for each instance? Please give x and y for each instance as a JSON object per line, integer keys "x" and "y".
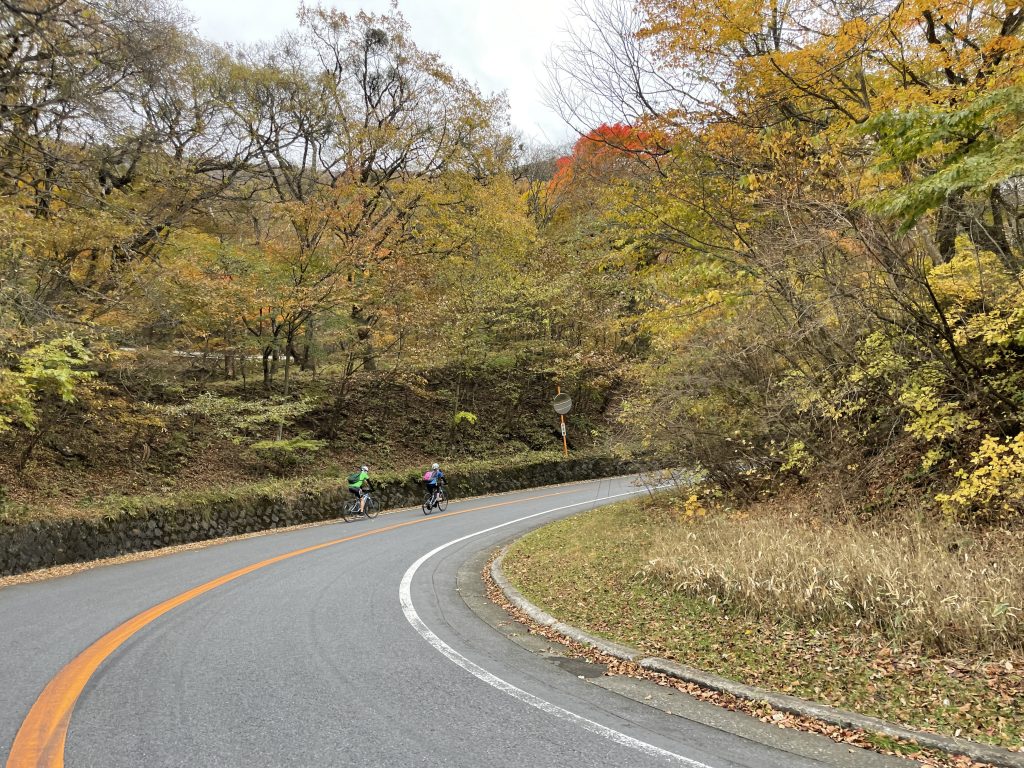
{"x": 428, "y": 475}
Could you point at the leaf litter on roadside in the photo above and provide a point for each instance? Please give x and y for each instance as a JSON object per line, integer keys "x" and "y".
{"x": 927, "y": 758}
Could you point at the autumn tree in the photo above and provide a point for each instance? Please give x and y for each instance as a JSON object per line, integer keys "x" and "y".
{"x": 828, "y": 169}
{"x": 349, "y": 115}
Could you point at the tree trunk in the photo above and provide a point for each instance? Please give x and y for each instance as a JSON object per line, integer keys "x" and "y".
{"x": 946, "y": 227}
{"x": 308, "y": 357}
{"x": 363, "y": 333}
{"x": 287, "y": 368}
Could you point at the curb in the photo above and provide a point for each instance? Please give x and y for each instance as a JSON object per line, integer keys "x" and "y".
{"x": 991, "y": 755}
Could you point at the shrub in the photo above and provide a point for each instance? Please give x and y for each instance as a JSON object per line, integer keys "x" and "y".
{"x": 464, "y": 417}
{"x": 994, "y": 488}
{"x": 284, "y": 454}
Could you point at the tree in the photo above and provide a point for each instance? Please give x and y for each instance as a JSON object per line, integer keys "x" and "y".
{"x": 780, "y": 294}
{"x": 349, "y": 116}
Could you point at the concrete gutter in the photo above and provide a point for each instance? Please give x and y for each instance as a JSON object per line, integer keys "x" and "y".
{"x": 992, "y": 755}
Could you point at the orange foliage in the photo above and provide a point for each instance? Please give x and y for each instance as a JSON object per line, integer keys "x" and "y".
{"x": 600, "y": 152}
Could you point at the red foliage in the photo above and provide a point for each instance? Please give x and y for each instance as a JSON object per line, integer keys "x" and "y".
{"x": 601, "y": 149}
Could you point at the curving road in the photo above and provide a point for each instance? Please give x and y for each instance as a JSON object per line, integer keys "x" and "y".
{"x": 360, "y": 651}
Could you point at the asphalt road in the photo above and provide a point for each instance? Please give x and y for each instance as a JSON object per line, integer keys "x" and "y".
{"x": 361, "y": 653}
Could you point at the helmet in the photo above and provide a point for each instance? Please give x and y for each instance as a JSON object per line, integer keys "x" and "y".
{"x": 364, "y": 468}
{"x": 434, "y": 466}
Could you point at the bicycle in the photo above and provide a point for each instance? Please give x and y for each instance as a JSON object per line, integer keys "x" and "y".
{"x": 350, "y": 511}
{"x": 435, "y": 500}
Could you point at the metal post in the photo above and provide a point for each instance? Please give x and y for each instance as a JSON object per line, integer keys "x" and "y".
{"x": 565, "y": 443}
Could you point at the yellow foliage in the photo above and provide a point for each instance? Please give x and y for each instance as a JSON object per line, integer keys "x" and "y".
{"x": 971, "y": 276}
{"x": 935, "y": 417}
{"x": 796, "y": 457}
{"x": 994, "y": 487}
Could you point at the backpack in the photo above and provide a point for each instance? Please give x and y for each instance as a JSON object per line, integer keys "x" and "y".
{"x": 354, "y": 478}
{"x": 428, "y": 475}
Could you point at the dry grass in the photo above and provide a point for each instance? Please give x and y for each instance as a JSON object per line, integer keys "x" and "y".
{"x": 944, "y": 587}
{"x": 593, "y": 571}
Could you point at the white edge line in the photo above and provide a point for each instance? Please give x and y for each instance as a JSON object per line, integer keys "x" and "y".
{"x": 405, "y": 596}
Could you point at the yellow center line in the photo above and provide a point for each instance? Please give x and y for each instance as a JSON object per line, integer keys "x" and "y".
{"x": 41, "y": 738}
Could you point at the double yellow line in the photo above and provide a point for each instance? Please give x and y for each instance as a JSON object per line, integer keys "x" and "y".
{"x": 42, "y": 736}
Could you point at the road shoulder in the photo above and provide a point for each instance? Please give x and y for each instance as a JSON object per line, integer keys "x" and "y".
{"x": 649, "y": 692}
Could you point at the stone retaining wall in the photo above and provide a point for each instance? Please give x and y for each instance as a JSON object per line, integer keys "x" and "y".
{"x": 45, "y": 543}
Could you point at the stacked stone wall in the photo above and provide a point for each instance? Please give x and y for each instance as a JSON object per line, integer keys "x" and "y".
{"x": 28, "y": 546}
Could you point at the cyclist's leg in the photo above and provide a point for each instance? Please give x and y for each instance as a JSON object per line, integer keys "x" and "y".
{"x": 372, "y": 506}
{"x": 351, "y": 506}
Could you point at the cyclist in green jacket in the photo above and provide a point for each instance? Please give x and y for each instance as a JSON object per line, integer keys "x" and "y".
{"x": 359, "y": 485}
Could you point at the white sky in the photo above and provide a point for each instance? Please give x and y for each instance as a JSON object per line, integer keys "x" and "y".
{"x": 498, "y": 44}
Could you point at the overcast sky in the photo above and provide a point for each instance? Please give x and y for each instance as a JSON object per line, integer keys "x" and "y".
{"x": 500, "y": 45}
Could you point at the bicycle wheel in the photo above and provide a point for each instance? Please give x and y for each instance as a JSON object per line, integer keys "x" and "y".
{"x": 427, "y": 506}
{"x": 442, "y": 499}
{"x": 350, "y": 510}
{"x": 371, "y": 508}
